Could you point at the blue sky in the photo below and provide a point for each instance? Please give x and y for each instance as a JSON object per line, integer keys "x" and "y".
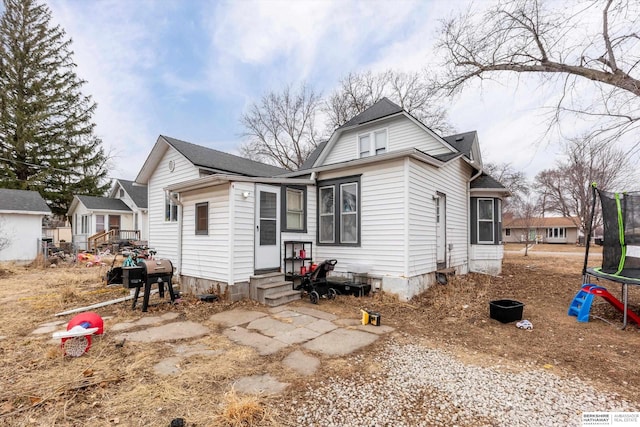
{"x": 190, "y": 68}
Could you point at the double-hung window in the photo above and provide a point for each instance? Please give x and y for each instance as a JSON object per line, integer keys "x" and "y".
{"x": 294, "y": 207}
{"x": 339, "y": 212}
{"x": 372, "y": 143}
{"x": 485, "y": 221}
{"x": 85, "y": 224}
{"x": 202, "y": 218}
{"x": 349, "y": 213}
{"x": 99, "y": 223}
{"x": 327, "y": 214}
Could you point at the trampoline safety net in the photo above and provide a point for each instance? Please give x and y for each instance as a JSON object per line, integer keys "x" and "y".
{"x": 621, "y": 239}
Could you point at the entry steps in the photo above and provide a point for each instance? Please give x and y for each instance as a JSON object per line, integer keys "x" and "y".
{"x": 271, "y": 289}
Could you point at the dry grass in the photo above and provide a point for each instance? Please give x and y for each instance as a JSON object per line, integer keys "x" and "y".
{"x": 548, "y": 247}
{"x": 115, "y": 382}
{"x": 244, "y": 410}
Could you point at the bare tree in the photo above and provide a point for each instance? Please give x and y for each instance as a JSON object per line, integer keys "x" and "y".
{"x": 411, "y": 91}
{"x": 5, "y": 237}
{"x": 281, "y": 127}
{"x": 593, "y": 41}
{"x": 528, "y": 216}
{"x": 514, "y": 180}
{"x": 566, "y": 190}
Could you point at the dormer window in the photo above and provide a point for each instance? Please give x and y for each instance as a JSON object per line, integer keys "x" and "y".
{"x": 372, "y": 143}
{"x": 121, "y": 193}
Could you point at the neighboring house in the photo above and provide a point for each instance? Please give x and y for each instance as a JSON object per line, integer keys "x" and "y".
{"x": 384, "y": 194}
{"x": 21, "y": 214}
{"x": 542, "y": 230}
{"x": 121, "y": 216}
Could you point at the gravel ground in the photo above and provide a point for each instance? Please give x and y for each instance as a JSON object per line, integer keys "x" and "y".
{"x": 421, "y": 387}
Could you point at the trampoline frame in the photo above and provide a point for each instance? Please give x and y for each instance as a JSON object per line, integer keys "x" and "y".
{"x": 597, "y": 271}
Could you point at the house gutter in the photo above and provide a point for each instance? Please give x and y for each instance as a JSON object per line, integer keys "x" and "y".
{"x": 365, "y": 161}
{"x": 175, "y": 198}
{"x": 472, "y": 163}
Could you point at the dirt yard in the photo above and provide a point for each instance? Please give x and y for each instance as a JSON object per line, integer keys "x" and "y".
{"x": 114, "y": 383}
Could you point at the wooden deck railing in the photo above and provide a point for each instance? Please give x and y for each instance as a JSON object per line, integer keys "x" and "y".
{"x": 113, "y": 235}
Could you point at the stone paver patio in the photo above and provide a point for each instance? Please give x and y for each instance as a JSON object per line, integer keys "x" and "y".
{"x": 312, "y": 331}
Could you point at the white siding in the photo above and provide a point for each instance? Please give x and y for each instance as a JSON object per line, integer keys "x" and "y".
{"x": 486, "y": 259}
{"x": 382, "y": 215}
{"x": 402, "y": 134}
{"x": 206, "y": 256}
{"x": 425, "y": 181}
{"x": 163, "y": 236}
{"x": 243, "y": 235}
{"x": 79, "y": 238}
{"x": 23, "y": 233}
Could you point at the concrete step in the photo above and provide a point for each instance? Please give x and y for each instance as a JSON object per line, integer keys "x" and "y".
{"x": 261, "y": 279}
{"x": 281, "y": 298}
{"x": 264, "y": 290}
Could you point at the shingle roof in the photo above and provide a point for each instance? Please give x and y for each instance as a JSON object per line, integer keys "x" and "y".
{"x": 22, "y": 200}
{"x": 214, "y": 159}
{"x": 137, "y": 192}
{"x": 313, "y": 156}
{"x": 446, "y": 157}
{"x": 485, "y": 181}
{"x": 463, "y": 142}
{"x": 559, "y": 221}
{"x": 103, "y": 203}
{"x": 380, "y": 109}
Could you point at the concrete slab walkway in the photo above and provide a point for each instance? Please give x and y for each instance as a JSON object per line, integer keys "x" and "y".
{"x": 309, "y": 329}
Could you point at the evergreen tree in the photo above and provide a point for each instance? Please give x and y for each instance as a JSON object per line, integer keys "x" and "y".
{"x": 47, "y": 140}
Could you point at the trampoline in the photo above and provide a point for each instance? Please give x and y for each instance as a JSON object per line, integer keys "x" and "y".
{"x": 621, "y": 246}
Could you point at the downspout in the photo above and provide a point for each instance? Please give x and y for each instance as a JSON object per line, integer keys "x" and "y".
{"x": 175, "y": 199}
{"x": 469, "y": 214}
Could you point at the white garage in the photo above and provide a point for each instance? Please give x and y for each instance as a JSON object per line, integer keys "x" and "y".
{"x": 21, "y": 214}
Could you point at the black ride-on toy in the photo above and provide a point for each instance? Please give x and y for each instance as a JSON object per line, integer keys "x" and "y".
{"x": 315, "y": 283}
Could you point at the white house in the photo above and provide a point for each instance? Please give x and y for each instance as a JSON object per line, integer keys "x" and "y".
{"x": 121, "y": 216}
{"x": 21, "y": 214}
{"x": 385, "y": 194}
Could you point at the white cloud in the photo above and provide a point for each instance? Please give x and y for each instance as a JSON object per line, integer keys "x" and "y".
{"x": 116, "y": 53}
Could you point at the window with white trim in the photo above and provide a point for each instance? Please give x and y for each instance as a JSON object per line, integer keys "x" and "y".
{"x": 372, "y": 143}
{"x": 202, "y": 218}
{"x": 485, "y": 221}
{"x": 85, "y": 224}
{"x": 556, "y": 233}
{"x": 170, "y": 209}
{"x": 99, "y": 223}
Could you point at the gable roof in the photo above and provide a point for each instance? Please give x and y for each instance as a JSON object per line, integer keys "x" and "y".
{"x": 380, "y": 109}
{"x": 25, "y": 201}
{"x": 551, "y": 221}
{"x": 463, "y": 142}
{"x": 214, "y": 159}
{"x": 138, "y": 193}
{"x": 313, "y": 156}
{"x": 206, "y": 158}
{"x": 486, "y": 182}
{"x": 103, "y": 203}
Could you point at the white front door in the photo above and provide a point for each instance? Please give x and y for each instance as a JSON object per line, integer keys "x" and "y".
{"x": 267, "y": 229}
{"x": 441, "y": 230}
